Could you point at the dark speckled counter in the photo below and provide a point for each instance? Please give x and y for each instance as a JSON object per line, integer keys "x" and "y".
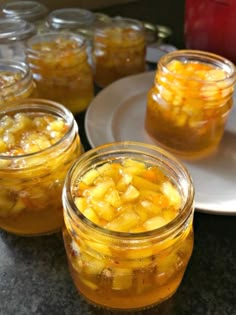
{"x": 34, "y": 278}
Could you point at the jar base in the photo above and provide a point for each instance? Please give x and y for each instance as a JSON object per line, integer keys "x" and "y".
{"x": 125, "y": 310}
{"x": 188, "y": 155}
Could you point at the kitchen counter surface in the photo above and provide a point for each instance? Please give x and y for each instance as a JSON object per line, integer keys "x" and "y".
{"x": 34, "y": 278}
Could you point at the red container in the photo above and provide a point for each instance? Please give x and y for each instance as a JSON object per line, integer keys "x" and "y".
{"x": 211, "y": 25}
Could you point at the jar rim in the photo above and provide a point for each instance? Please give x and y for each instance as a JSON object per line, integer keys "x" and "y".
{"x": 15, "y": 65}
{"x": 202, "y": 56}
{"x": 70, "y": 18}
{"x": 131, "y": 147}
{"x": 123, "y": 22}
{"x": 15, "y": 29}
{"x": 51, "y": 36}
{"x": 28, "y": 10}
{"x": 39, "y": 105}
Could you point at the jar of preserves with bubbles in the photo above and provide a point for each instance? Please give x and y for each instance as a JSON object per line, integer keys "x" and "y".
{"x": 38, "y": 142}
{"x": 30, "y": 10}
{"x": 190, "y": 101}
{"x": 128, "y": 212}
{"x": 119, "y": 50}
{"x": 13, "y": 35}
{"x": 60, "y": 67}
{"x": 16, "y": 82}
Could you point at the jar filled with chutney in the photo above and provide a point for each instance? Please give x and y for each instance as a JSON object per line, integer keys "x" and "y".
{"x": 38, "y": 142}
{"x": 190, "y": 101}
{"x": 119, "y": 50}
{"x": 60, "y": 67}
{"x": 128, "y": 212}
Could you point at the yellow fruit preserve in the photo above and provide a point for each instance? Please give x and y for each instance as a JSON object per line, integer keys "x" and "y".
{"x": 119, "y": 50}
{"x": 128, "y": 211}
{"x": 16, "y": 82}
{"x": 38, "y": 143}
{"x": 190, "y": 101}
{"x": 61, "y": 70}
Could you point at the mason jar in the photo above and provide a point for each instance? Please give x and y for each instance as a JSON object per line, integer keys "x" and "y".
{"x": 60, "y": 67}
{"x": 128, "y": 212}
{"x": 13, "y": 35}
{"x": 119, "y": 50}
{"x": 38, "y": 143}
{"x": 190, "y": 101}
{"x": 29, "y": 10}
{"x": 16, "y": 82}
{"x": 79, "y": 21}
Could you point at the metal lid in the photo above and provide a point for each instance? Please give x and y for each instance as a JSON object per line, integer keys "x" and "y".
{"x": 163, "y": 32}
{"x": 15, "y": 30}
{"x": 27, "y": 10}
{"x": 70, "y": 18}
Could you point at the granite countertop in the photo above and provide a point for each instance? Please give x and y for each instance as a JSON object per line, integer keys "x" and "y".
{"x": 34, "y": 277}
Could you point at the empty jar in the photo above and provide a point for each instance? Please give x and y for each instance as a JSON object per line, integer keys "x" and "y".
{"x": 31, "y": 11}
{"x": 13, "y": 35}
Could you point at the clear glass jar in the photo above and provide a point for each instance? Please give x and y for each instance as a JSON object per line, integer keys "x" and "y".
{"x": 190, "y": 101}
{"x": 79, "y": 21}
{"x": 119, "y": 50}
{"x": 16, "y": 82}
{"x": 32, "y": 170}
{"x": 31, "y": 11}
{"x": 126, "y": 270}
{"x": 13, "y": 34}
{"x": 60, "y": 67}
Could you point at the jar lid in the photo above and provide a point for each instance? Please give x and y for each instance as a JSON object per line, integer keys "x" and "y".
{"x": 14, "y": 30}
{"x": 163, "y": 32}
{"x": 27, "y": 10}
{"x": 70, "y": 18}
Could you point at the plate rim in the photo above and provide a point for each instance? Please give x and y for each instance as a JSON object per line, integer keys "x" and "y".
{"x": 199, "y": 206}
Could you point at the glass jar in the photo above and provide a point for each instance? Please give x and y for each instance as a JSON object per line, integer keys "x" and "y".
{"x": 31, "y": 11}
{"x": 61, "y": 70}
{"x": 190, "y": 101}
{"x": 119, "y": 50}
{"x": 113, "y": 267}
{"x": 79, "y": 21}
{"x": 13, "y": 34}
{"x": 16, "y": 82}
{"x": 38, "y": 142}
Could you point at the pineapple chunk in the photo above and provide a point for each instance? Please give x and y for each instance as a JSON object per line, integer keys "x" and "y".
{"x": 124, "y": 222}
{"x": 122, "y": 278}
{"x": 130, "y": 194}
{"x": 144, "y": 184}
{"x": 154, "y": 223}
{"x": 104, "y": 210}
{"x": 92, "y": 265}
{"x": 81, "y": 203}
{"x": 113, "y": 198}
{"x": 124, "y": 181}
{"x": 172, "y": 193}
{"x": 89, "y": 177}
{"x": 98, "y": 191}
{"x": 99, "y": 248}
{"x": 90, "y": 214}
{"x": 134, "y": 163}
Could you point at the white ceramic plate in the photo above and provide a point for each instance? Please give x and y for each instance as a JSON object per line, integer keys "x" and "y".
{"x": 117, "y": 113}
